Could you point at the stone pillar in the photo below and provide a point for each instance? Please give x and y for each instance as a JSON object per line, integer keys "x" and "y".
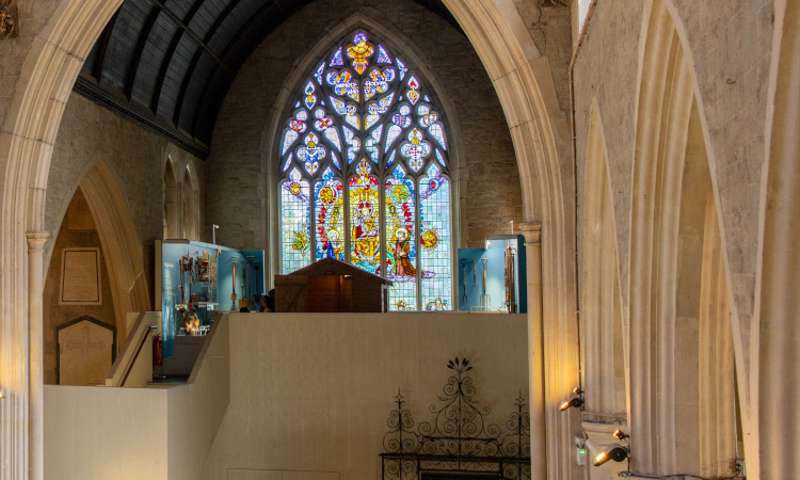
{"x": 775, "y": 357}
{"x": 533, "y": 252}
{"x": 36, "y": 243}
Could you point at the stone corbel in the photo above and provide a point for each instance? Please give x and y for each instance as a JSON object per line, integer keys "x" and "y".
{"x": 9, "y": 19}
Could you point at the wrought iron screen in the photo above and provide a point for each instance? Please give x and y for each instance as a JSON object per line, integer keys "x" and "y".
{"x": 456, "y": 442}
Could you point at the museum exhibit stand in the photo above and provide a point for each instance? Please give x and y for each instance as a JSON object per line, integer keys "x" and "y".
{"x": 195, "y": 280}
{"x": 493, "y": 278}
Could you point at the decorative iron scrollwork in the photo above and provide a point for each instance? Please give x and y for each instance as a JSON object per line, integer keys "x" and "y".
{"x": 457, "y": 438}
{"x": 9, "y": 19}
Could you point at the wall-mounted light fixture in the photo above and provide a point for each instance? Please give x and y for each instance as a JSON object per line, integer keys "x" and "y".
{"x": 2, "y": 395}
{"x": 575, "y": 400}
{"x": 618, "y": 453}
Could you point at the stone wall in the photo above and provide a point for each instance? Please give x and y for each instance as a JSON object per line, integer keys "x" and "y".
{"x": 89, "y": 134}
{"x": 722, "y": 76}
{"x": 489, "y": 181}
{"x": 728, "y": 46}
{"x": 33, "y": 16}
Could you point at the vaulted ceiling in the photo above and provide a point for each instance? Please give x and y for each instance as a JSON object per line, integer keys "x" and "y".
{"x": 169, "y": 63}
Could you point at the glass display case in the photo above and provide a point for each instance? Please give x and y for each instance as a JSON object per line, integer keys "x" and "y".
{"x": 493, "y": 278}
{"x": 197, "y": 279}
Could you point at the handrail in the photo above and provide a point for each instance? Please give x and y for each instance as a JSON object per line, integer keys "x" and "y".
{"x": 137, "y": 340}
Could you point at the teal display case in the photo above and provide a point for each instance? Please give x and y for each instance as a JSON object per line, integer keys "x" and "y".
{"x": 200, "y": 278}
{"x": 493, "y": 278}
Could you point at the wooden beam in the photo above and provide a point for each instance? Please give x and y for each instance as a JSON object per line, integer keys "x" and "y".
{"x": 165, "y": 62}
{"x": 187, "y": 77}
{"x": 141, "y": 42}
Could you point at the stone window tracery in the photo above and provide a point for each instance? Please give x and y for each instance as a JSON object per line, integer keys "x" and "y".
{"x": 364, "y": 174}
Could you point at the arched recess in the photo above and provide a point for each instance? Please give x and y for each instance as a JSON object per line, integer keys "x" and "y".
{"x": 120, "y": 242}
{"x": 682, "y": 387}
{"x": 776, "y": 357}
{"x": 190, "y": 208}
{"x": 171, "y": 200}
{"x": 603, "y": 328}
{"x": 539, "y": 129}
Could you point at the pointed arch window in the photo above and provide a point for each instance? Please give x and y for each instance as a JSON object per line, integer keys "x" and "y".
{"x": 364, "y": 174}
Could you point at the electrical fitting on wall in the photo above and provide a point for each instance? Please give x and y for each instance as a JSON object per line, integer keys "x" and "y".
{"x": 616, "y": 452}
{"x": 581, "y": 451}
{"x": 575, "y": 400}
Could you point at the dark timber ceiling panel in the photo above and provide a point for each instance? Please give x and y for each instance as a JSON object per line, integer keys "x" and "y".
{"x": 169, "y": 63}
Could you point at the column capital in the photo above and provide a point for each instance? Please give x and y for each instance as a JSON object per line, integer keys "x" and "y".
{"x": 532, "y": 232}
{"x": 37, "y": 240}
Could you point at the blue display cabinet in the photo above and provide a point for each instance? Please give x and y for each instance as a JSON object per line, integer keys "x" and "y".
{"x": 198, "y": 279}
{"x": 493, "y": 279}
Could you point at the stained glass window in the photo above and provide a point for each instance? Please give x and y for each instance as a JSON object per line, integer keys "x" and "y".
{"x": 364, "y": 174}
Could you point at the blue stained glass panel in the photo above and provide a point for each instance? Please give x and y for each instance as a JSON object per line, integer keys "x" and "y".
{"x": 435, "y": 240}
{"x": 295, "y": 198}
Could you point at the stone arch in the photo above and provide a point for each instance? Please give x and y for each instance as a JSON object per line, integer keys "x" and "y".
{"x": 539, "y": 130}
{"x": 774, "y": 352}
{"x": 679, "y": 296}
{"x": 541, "y": 137}
{"x": 604, "y": 339}
{"x": 603, "y": 330}
{"x": 171, "y": 200}
{"x": 302, "y": 69}
{"x": 120, "y": 241}
{"x": 190, "y": 204}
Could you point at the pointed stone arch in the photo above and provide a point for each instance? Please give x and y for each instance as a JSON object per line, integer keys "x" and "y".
{"x": 120, "y": 241}
{"x": 774, "y": 353}
{"x": 539, "y": 130}
{"x": 398, "y": 43}
{"x": 603, "y": 328}
{"x": 681, "y": 340}
{"x": 189, "y": 204}
{"x": 171, "y": 200}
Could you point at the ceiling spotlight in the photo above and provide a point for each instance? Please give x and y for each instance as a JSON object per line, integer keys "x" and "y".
{"x": 620, "y": 435}
{"x": 618, "y": 453}
{"x": 576, "y": 400}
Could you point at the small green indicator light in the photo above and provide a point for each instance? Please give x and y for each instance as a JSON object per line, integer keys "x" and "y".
{"x": 582, "y": 452}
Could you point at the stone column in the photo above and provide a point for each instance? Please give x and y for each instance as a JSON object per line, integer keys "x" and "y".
{"x": 775, "y": 356}
{"x": 36, "y": 243}
{"x": 533, "y": 252}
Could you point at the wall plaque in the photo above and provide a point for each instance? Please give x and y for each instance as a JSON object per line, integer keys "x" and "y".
{"x": 80, "y": 277}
